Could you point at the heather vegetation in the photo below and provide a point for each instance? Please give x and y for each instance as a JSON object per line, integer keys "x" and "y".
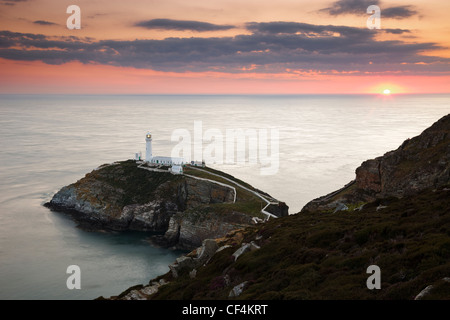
{"x": 316, "y": 255}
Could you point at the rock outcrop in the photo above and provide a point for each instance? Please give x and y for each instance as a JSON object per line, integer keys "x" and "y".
{"x": 429, "y": 291}
{"x": 419, "y": 163}
{"x": 182, "y": 209}
{"x": 187, "y": 229}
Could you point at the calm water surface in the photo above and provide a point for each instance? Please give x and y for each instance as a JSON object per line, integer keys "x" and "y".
{"x": 47, "y": 142}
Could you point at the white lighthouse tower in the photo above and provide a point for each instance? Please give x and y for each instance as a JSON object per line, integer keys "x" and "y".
{"x": 148, "y": 150}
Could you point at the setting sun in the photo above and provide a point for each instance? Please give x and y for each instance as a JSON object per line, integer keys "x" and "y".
{"x": 389, "y": 88}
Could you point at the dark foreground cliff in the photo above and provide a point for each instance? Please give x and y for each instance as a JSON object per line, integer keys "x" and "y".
{"x": 396, "y": 216}
{"x": 324, "y": 256}
{"x": 183, "y": 209}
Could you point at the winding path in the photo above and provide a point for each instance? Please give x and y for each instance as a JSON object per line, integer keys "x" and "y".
{"x": 190, "y": 176}
{"x": 268, "y": 203}
{"x": 268, "y": 214}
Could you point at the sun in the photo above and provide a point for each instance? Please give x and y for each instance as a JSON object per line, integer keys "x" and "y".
{"x": 387, "y": 89}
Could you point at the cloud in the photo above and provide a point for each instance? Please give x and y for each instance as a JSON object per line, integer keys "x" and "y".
{"x": 359, "y": 7}
{"x": 282, "y": 27}
{"x": 272, "y": 47}
{"x": 349, "y": 7}
{"x": 44, "y": 23}
{"x": 11, "y": 2}
{"x": 399, "y": 12}
{"x": 181, "y": 25}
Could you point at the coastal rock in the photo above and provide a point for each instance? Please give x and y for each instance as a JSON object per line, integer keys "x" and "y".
{"x": 126, "y": 196}
{"x": 442, "y": 285}
{"x": 207, "y": 250}
{"x": 189, "y": 229}
{"x": 425, "y": 292}
{"x": 153, "y": 216}
{"x": 280, "y": 209}
{"x": 245, "y": 248}
{"x": 192, "y": 261}
{"x": 368, "y": 176}
{"x": 197, "y": 192}
{"x": 419, "y": 163}
{"x": 145, "y": 292}
{"x": 340, "y": 207}
{"x": 237, "y": 290}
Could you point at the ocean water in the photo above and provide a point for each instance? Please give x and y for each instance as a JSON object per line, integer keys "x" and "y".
{"x": 47, "y": 142}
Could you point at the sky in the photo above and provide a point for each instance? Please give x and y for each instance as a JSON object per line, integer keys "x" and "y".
{"x": 224, "y": 47}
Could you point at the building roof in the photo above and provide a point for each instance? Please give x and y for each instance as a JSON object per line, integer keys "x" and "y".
{"x": 168, "y": 158}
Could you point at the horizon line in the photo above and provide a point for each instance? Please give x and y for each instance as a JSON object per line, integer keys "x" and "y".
{"x": 225, "y": 94}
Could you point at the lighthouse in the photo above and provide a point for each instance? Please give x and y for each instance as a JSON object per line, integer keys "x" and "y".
{"x": 148, "y": 150}
{"x": 160, "y": 161}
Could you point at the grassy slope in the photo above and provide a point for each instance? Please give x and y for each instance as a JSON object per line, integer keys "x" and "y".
{"x": 127, "y": 183}
{"x": 124, "y": 183}
{"x": 246, "y": 202}
{"x": 195, "y": 172}
{"x": 325, "y": 256}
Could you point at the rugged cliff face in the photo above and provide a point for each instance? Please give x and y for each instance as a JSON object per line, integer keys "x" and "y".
{"x": 419, "y": 163}
{"x": 122, "y": 196}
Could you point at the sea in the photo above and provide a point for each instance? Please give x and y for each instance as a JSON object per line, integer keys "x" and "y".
{"x": 315, "y": 144}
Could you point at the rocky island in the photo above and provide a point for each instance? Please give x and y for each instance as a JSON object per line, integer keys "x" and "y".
{"x": 395, "y": 215}
{"x": 180, "y": 210}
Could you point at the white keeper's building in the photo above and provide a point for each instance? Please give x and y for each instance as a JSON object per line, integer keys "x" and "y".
{"x": 165, "y": 161}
